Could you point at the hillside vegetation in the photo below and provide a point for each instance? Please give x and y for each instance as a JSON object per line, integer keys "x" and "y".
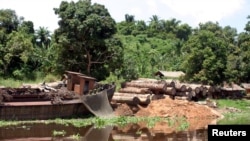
{"x": 89, "y": 41}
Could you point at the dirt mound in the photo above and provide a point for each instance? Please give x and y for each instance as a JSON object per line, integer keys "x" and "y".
{"x": 122, "y": 109}
{"x": 198, "y": 116}
{"x": 168, "y": 107}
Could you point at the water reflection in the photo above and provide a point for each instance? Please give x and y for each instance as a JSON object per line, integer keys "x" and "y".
{"x": 133, "y": 132}
{"x": 141, "y": 133}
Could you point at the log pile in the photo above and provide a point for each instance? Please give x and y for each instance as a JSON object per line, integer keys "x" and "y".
{"x": 143, "y": 90}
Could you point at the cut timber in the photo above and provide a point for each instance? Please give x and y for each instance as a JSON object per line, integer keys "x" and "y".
{"x": 157, "y": 96}
{"x": 129, "y": 100}
{"x": 189, "y": 89}
{"x": 190, "y": 95}
{"x": 144, "y": 100}
{"x": 204, "y": 91}
{"x": 181, "y": 98}
{"x": 135, "y": 90}
{"x": 151, "y": 86}
{"x": 195, "y": 88}
{"x": 170, "y": 91}
{"x": 180, "y": 87}
{"x": 170, "y": 83}
{"x": 132, "y": 95}
{"x": 180, "y": 94}
{"x": 209, "y": 88}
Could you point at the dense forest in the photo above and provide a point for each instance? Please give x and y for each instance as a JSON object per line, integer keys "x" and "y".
{"x": 89, "y": 41}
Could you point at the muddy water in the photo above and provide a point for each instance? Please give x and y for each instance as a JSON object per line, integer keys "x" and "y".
{"x": 44, "y": 132}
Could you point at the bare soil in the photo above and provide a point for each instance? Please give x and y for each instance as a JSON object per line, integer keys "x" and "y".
{"x": 197, "y": 115}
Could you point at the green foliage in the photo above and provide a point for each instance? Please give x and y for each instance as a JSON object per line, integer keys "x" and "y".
{"x": 240, "y": 117}
{"x": 89, "y": 41}
{"x": 76, "y": 137}
{"x": 58, "y": 133}
{"x": 51, "y": 78}
{"x": 87, "y": 31}
{"x": 10, "y": 82}
{"x": 206, "y": 55}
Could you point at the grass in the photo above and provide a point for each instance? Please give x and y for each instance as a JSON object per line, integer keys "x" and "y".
{"x": 241, "y": 116}
{"x": 59, "y": 133}
{"x": 10, "y": 82}
{"x": 102, "y": 122}
{"x": 14, "y": 83}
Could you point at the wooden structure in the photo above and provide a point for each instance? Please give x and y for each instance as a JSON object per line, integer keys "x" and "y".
{"x": 246, "y": 86}
{"x": 79, "y": 83}
{"x": 169, "y": 74}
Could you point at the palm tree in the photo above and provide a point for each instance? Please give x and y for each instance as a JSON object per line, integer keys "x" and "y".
{"x": 43, "y": 37}
{"x": 129, "y": 18}
{"x": 171, "y": 25}
{"x": 155, "y": 22}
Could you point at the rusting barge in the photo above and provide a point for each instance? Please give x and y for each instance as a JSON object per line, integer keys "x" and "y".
{"x": 64, "y": 102}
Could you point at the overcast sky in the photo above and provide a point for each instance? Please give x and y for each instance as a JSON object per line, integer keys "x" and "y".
{"x": 227, "y": 12}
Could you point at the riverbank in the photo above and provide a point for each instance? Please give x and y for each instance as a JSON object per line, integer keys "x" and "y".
{"x": 192, "y": 114}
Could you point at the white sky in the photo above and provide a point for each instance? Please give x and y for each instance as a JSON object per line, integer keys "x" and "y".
{"x": 193, "y": 12}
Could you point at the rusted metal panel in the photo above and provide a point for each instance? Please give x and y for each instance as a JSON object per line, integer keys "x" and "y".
{"x": 40, "y": 110}
{"x": 86, "y": 84}
{"x": 77, "y": 89}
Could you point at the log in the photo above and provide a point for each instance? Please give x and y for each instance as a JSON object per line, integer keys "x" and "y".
{"x": 195, "y": 88}
{"x": 189, "y": 89}
{"x": 204, "y": 91}
{"x": 190, "y": 95}
{"x": 157, "y": 96}
{"x": 170, "y": 91}
{"x": 170, "y": 83}
{"x": 180, "y": 94}
{"x": 151, "y": 86}
{"x": 128, "y": 100}
{"x": 211, "y": 89}
{"x": 144, "y": 100}
{"x": 181, "y": 98}
{"x": 132, "y": 95}
{"x": 180, "y": 87}
{"x": 135, "y": 90}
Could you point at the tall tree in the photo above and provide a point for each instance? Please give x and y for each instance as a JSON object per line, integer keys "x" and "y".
{"x": 244, "y": 43}
{"x": 43, "y": 37}
{"x": 206, "y": 55}
{"x": 84, "y": 37}
{"x": 8, "y": 20}
{"x": 129, "y": 18}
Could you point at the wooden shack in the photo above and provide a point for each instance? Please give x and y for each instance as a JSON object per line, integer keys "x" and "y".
{"x": 232, "y": 91}
{"x": 79, "y": 83}
{"x": 169, "y": 74}
{"x": 246, "y": 86}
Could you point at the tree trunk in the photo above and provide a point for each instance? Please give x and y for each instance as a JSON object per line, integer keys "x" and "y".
{"x": 135, "y": 90}
{"x": 170, "y": 91}
{"x": 151, "y": 86}
{"x": 181, "y": 97}
{"x": 180, "y": 87}
{"x": 131, "y": 100}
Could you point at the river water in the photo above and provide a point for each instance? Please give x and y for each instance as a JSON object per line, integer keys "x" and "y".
{"x": 46, "y": 132}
